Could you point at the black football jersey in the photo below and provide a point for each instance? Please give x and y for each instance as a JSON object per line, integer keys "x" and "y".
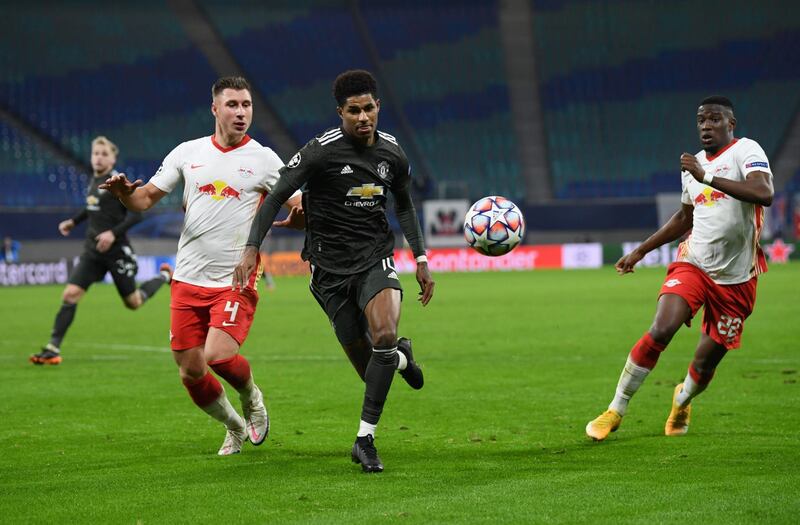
{"x": 345, "y": 196}
{"x": 105, "y": 212}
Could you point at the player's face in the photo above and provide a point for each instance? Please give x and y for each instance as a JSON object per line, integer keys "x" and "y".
{"x": 360, "y": 117}
{"x": 103, "y": 159}
{"x": 233, "y": 109}
{"x": 715, "y": 125}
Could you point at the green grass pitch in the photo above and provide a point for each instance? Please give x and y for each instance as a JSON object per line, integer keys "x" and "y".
{"x": 515, "y": 365}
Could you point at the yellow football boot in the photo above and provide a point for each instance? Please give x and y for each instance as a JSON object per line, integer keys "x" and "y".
{"x": 678, "y": 420}
{"x": 599, "y": 428}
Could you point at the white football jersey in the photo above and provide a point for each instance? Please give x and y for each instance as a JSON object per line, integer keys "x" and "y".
{"x": 223, "y": 188}
{"x": 725, "y": 232}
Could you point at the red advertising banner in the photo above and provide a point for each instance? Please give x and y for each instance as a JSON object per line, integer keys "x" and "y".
{"x": 467, "y": 260}
{"x": 442, "y": 260}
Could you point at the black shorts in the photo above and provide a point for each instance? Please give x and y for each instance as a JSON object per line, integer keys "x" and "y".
{"x": 119, "y": 260}
{"x": 344, "y": 297}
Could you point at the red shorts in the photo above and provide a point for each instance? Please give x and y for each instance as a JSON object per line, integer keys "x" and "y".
{"x": 193, "y": 309}
{"x": 726, "y": 305}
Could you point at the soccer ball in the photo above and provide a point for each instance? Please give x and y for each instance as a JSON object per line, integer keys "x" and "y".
{"x": 494, "y": 226}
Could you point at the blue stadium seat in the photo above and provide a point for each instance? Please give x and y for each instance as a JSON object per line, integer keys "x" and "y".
{"x": 619, "y": 104}
{"x": 103, "y": 73}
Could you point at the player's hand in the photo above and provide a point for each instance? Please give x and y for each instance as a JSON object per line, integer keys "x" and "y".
{"x": 426, "y": 283}
{"x": 64, "y": 227}
{"x": 627, "y": 262}
{"x": 690, "y": 163}
{"x": 105, "y": 240}
{"x": 245, "y": 268}
{"x": 296, "y": 220}
{"x": 119, "y": 185}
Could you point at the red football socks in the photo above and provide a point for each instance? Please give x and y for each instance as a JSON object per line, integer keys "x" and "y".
{"x": 646, "y": 351}
{"x": 205, "y": 390}
{"x": 234, "y": 370}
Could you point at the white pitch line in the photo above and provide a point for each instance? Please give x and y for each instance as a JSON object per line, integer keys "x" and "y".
{"x": 160, "y": 349}
{"x": 112, "y": 346}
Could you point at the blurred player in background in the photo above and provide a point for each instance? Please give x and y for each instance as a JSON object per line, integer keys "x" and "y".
{"x": 10, "y": 250}
{"x": 725, "y": 188}
{"x": 225, "y": 178}
{"x": 347, "y": 172}
{"x": 264, "y": 254}
{"x": 107, "y": 249}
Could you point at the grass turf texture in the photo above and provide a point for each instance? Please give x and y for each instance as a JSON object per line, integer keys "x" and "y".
{"x": 515, "y": 364}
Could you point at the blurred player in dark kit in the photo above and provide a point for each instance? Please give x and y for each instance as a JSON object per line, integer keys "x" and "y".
{"x": 107, "y": 249}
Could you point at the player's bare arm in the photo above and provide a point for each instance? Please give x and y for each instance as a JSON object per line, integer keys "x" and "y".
{"x": 756, "y": 188}
{"x": 133, "y": 195}
{"x": 675, "y": 228}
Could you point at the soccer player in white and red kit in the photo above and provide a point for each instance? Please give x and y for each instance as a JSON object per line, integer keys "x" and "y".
{"x": 226, "y": 176}
{"x": 725, "y": 189}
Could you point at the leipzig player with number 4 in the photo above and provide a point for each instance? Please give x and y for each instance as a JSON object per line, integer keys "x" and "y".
{"x": 725, "y": 189}
{"x": 225, "y": 178}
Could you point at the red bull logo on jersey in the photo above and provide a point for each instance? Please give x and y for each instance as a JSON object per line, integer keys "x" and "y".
{"x": 721, "y": 170}
{"x": 219, "y": 190}
{"x": 709, "y": 197}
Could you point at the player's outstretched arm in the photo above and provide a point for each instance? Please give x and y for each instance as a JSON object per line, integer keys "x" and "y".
{"x": 673, "y": 229}
{"x": 133, "y": 195}
{"x": 755, "y": 189}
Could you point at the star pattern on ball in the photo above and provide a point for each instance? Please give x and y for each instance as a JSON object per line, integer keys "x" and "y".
{"x": 498, "y": 213}
{"x": 493, "y": 226}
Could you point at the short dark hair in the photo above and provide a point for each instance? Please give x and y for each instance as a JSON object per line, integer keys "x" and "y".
{"x": 237, "y": 83}
{"x": 718, "y": 100}
{"x": 354, "y": 82}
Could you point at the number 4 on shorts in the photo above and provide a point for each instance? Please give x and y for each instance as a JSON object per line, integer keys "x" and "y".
{"x": 231, "y": 307}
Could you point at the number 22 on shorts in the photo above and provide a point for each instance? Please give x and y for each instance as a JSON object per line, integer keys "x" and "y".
{"x": 729, "y": 326}
{"x": 232, "y": 307}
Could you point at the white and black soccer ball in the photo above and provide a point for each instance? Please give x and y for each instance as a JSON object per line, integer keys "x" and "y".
{"x": 494, "y": 226}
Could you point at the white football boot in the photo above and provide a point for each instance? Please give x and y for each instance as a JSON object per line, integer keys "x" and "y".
{"x": 234, "y": 439}
{"x": 255, "y": 414}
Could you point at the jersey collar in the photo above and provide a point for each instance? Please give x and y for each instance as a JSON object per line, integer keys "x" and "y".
{"x": 353, "y": 142}
{"x": 241, "y": 143}
{"x": 720, "y": 152}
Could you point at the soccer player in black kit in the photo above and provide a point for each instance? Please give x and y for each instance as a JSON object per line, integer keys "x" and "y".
{"x": 107, "y": 249}
{"x": 348, "y": 172}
